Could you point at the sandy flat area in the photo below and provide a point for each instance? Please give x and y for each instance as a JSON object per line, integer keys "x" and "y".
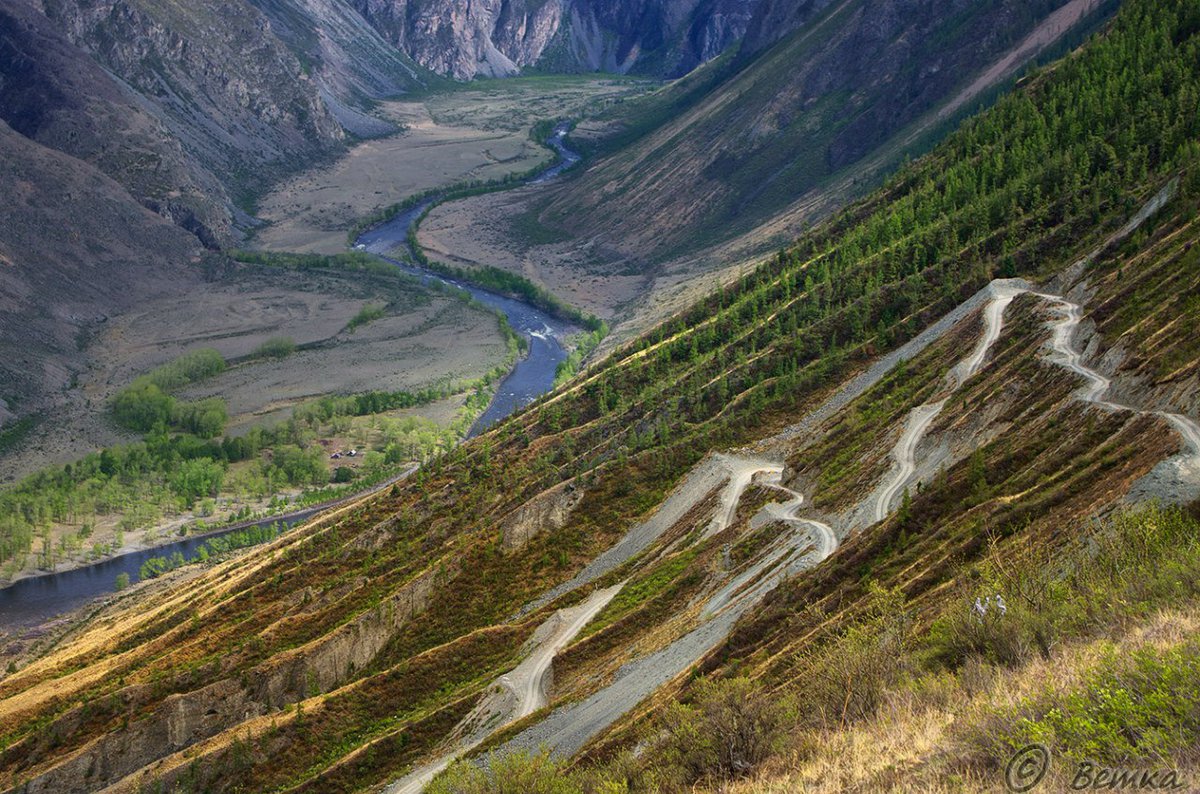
{"x": 312, "y": 211}
{"x": 476, "y": 132}
{"x": 445, "y": 341}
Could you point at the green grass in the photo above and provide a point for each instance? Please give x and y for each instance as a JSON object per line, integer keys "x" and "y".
{"x": 1140, "y": 708}
{"x": 367, "y": 314}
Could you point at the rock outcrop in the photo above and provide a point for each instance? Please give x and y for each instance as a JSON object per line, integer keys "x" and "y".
{"x": 228, "y": 88}
{"x": 501, "y": 37}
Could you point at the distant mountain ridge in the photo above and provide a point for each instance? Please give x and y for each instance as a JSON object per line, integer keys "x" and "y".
{"x": 138, "y": 133}
{"x": 503, "y": 37}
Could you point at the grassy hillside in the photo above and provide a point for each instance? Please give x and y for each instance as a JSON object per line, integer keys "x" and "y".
{"x": 349, "y": 649}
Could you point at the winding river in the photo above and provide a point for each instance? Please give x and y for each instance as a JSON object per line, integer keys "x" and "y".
{"x": 36, "y": 599}
{"x": 534, "y": 374}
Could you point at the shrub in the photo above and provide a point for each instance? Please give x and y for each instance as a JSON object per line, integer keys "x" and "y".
{"x": 1122, "y": 568}
{"x": 729, "y": 729}
{"x": 205, "y": 418}
{"x": 122, "y": 581}
{"x": 367, "y": 314}
{"x": 188, "y": 368}
{"x": 517, "y": 773}
{"x": 845, "y": 680}
{"x": 1142, "y": 707}
{"x": 275, "y": 347}
{"x": 142, "y": 405}
{"x": 980, "y": 628}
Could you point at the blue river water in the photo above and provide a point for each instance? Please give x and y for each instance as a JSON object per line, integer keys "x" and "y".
{"x": 534, "y": 374}
{"x": 39, "y": 598}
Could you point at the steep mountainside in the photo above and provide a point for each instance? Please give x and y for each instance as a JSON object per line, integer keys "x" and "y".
{"x": 190, "y": 110}
{"x": 234, "y": 94}
{"x": 923, "y": 401}
{"x": 350, "y": 62}
{"x": 75, "y": 248}
{"x": 53, "y": 93}
{"x": 501, "y": 37}
{"x": 767, "y": 141}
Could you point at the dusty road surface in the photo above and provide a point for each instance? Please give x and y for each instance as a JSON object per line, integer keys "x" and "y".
{"x": 516, "y": 694}
{"x": 1002, "y": 293}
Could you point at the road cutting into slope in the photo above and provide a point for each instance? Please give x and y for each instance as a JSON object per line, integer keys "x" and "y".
{"x": 528, "y": 680}
{"x": 516, "y": 694}
{"x": 920, "y": 418}
{"x": 1067, "y": 356}
{"x": 808, "y": 542}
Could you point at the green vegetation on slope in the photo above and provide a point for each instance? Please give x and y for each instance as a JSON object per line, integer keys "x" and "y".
{"x": 175, "y": 473}
{"x": 799, "y": 127}
{"x": 1024, "y": 189}
{"x": 1121, "y": 710}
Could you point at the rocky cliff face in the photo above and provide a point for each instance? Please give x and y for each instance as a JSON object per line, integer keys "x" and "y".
{"x": 217, "y": 76}
{"x": 777, "y": 18}
{"x": 345, "y": 56}
{"x": 53, "y": 93}
{"x": 500, "y": 37}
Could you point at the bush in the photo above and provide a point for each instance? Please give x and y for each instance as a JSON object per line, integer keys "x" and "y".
{"x": 205, "y": 418}
{"x": 729, "y": 729}
{"x": 142, "y": 406}
{"x": 1142, "y": 707}
{"x": 1125, "y": 567}
{"x": 518, "y": 773}
{"x": 993, "y": 634}
{"x": 275, "y": 347}
{"x": 188, "y": 368}
{"x": 846, "y": 679}
{"x": 122, "y": 581}
{"x": 367, "y": 314}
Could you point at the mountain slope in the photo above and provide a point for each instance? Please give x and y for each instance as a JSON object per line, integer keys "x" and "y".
{"x": 348, "y": 651}
{"x": 502, "y": 37}
{"x": 769, "y": 140}
{"x": 53, "y": 93}
{"x": 76, "y": 248}
{"x": 191, "y": 109}
{"x": 228, "y": 89}
{"x": 348, "y": 59}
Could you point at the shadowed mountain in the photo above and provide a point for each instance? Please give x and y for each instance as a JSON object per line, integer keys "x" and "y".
{"x": 825, "y": 97}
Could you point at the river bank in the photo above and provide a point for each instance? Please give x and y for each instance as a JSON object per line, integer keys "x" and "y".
{"x": 36, "y": 599}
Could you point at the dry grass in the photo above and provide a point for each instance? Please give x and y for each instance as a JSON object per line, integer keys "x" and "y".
{"x": 915, "y": 740}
